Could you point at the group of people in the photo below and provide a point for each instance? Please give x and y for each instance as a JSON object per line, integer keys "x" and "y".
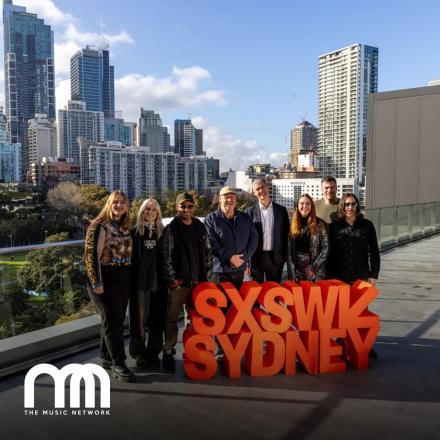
{"x": 154, "y": 269}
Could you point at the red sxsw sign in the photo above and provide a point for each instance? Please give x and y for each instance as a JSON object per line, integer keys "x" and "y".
{"x": 298, "y": 322}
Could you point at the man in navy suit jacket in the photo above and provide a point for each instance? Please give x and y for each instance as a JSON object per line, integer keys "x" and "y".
{"x": 272, "y": 224}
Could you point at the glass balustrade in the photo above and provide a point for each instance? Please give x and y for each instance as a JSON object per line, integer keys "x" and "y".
{"x": 44, "y": 285}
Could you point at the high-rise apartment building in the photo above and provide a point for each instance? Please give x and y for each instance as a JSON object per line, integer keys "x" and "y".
{"x": 199, "y": 142}
{"x": 42, "y": 138}
{"x": 116, "y": 129}
{"x": 304, "y": 137}
{"x": 346, "y": 77}
{"x": 151, "y": 133}
{"x": 74, "y": 122}
{"x": 29, "y": 72}
{"x": 92, "y": 80}
{"x": 184, "y": 137}
{"x": 139, "y": 172}
{"x": 213, "y": 168}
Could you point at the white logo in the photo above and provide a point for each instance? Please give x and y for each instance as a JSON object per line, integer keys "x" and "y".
{"x": 78, "y": 373}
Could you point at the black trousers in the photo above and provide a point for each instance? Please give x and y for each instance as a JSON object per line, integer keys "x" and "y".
{"x": 267, "y": 270}
{"x": 112, "y": 306}
{"x": 236, "y": 278}
{"x": 147, "y": 310}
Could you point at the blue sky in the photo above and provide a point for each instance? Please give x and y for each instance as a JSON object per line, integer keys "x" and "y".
{"x": 246, "y": 71}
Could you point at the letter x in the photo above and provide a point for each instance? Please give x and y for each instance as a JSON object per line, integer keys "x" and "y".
{"x": 240, "y": 313}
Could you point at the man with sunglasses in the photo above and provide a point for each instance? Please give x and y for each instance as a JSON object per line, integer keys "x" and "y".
{"x": 186, "y": 262}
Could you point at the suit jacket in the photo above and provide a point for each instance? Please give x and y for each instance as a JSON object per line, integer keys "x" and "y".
{"x": 281, "y": 232}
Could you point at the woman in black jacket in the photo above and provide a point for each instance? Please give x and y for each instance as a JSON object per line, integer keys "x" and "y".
{"x": 353, "y": 243}
{"x": 147, "y": 293}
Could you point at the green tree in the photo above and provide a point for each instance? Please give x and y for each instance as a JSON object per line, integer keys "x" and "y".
{"x": 134, "y": 209}
{"x": 93, "y": 200}
{"x": 60, "y": 272}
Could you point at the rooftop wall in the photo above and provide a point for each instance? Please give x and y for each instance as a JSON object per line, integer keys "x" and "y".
{"x": 403, "y": 147}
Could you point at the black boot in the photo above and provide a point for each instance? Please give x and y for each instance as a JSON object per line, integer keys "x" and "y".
{"x": 153, "y": 361}
{"x": 168, "y": 362}
{"x": 122, "y": 373}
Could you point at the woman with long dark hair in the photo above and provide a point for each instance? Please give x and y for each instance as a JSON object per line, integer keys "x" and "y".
{"x": 108, "y": 251}
{"x": 308, "y": 243}
{"x": 353, "y": 242}
{"x": 148, "y": 297}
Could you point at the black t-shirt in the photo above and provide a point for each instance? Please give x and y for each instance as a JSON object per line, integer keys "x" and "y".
{"x": 189, "y": 236}
{"x": 302, "y": 242}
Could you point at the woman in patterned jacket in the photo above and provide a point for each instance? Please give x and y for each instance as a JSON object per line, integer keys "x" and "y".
{"x": 308, "y": 243}
{"x": 107, "y": 258}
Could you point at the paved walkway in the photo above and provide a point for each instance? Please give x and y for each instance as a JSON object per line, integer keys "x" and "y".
{"x": 398, "y": 398}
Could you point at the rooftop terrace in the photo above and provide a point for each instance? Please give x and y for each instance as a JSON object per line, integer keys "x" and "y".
{"x": 398, "y": 398}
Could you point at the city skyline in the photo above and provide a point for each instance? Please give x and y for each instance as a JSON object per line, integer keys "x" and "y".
{"x": 247, "y": 86}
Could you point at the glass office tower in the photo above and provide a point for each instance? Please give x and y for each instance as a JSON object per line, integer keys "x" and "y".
{"x": 29, "y": 72}
{"x": 92, "y": 80}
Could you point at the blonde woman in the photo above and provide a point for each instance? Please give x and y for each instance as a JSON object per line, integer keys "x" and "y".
{"x": 147, "y": 293}
{"x": 108, "y": 251}
{"x": 308, "y": 243}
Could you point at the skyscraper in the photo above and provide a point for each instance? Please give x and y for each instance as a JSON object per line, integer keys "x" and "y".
{"x": 76, "y": 122}
{"x": 346, "y": 77}
{"x": 199, "y": 141}
{"x": 151, "y": 133}
{"x": 92, "y": 80}
{"x": 29, "y": 72}
{"x": 304, "y": 137}
{"x": 184, "y": 137}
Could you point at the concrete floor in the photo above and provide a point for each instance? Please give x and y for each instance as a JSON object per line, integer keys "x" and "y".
{"x": 397, "y": 398}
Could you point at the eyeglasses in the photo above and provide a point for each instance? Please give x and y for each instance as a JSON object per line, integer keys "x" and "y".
{"x": 186, "y": 206}
{"x": 347, "y": 204}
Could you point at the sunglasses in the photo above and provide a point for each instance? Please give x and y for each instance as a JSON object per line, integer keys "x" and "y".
{"x": 186, "y": 206}
{"x": 353, "y": 204}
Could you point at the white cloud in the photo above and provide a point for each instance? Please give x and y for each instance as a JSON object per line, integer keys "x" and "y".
{"x": 235, "y": 153}
{"x": 179, "y": 90}
{"x": 72, "y": 40}
{"x": 46, "y": 9}
{"x": 62, "y": 92}
{"x": 73, "y": 34}
{"x": 69, "y": 38}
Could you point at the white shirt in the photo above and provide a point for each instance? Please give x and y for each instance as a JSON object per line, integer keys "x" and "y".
{"x": 267, "y": 223}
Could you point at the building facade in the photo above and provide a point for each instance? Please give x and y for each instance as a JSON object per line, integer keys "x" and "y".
{"x": 184, "y": 137}
{"x": 51, "y": 170}
{"x": 92, "y": 80}
{"x": 213, "y": 168}
{"x": 139, "y": 172}
{"x": 151, "y": 133}
{"x": 304, "y": 137}
{"x": 29, "y": 72}
{"x": 42, "y": 138}
{"x": 199, "y": 142}
{"x": 9, "y": 154}
{"x": 346, "y": 77}
{"x": 116, "y": 129}
{"x": 77, "y": 121}
{"x": 286, "y": 192}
